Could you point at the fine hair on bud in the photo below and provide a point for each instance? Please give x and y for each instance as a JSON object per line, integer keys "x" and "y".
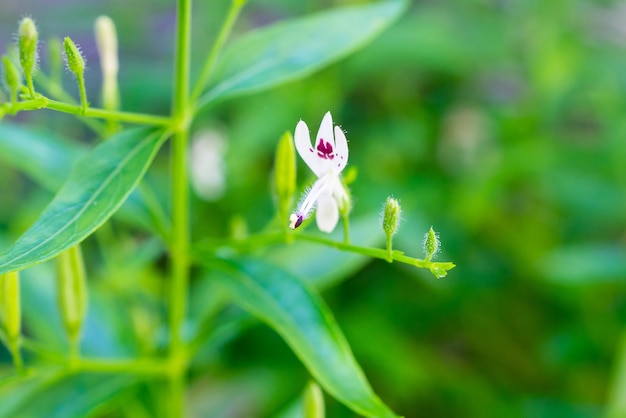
{"x": 431, "y": 243}
{"x": 73, "y": 57}
{"x": 27, "y": 41}
{"x": 391, "y": 216}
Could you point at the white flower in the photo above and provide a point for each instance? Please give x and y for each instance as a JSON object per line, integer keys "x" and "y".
{"x": 327, "y": 159}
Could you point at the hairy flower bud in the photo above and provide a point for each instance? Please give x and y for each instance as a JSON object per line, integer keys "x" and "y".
{"x": 431, "y": 243}
{"x": 391, "y": 216}
{"x": 73, "y": 57}
{"x": 27, "y": 45}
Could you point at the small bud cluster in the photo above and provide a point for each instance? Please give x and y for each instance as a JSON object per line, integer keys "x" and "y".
{"x": 27, "y": 58}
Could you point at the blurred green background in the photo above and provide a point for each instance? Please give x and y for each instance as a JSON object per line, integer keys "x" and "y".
{"x": 498, "y": 122}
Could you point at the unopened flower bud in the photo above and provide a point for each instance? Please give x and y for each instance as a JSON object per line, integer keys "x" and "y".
{"x": 12, "y": 77}
{"x": 313, "y": 401}
{"x": 391, "y": 216}
{"x": 431, "y": 243}
{"x": 72, "y": 289}
{"x": 27, "y": 45}
{"x": 73, "y": 57}
{"x": 106, "y": 41}
{"x": 10, "y": 310}
{"x": 285, "y": 173}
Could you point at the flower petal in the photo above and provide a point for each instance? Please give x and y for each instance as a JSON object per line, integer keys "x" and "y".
{"x": 327, "y": 213}
{"x": 302, "y": 139}
{"x": 325, "y": 143}
{"x": 341, "y": 150}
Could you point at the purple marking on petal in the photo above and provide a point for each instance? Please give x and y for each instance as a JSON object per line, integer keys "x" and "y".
{"x": 325, "y": 150}
{"x": 311, "y": 149}
{"x": 298, "y": 222}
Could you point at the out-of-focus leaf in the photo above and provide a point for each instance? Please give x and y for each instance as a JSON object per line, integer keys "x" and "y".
{"x": 302, "y": 319}
{"x": 107, "y": 330}
{"x": 44, "y": 157}
{"x": 302, "y": 259}
{"x": 99, "y": 183}
{"x": 585, "y": 264}
{"x": 296, "y": 48}
{"x": 38, "y": 396}
{"x": 48, "y": 160}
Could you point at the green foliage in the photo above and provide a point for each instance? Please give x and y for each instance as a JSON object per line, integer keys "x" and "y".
{"x": 499, "y": 123}
{"x": 290, "y": 50}
{"x": 98, "y": 185}
{"x": 298, "y": 314}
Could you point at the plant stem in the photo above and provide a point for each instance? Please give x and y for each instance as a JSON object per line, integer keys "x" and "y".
{"x": 138, "y": 118}
{"x": 83, "y": 93}
{"x": 179, "y": 244}
{"x": 346, "y": 228}
{"x": 135, "y": 366}
{"x": 14, "y": 348}
{"x": 209, "y": 65}
{"x": 53, "y": 88}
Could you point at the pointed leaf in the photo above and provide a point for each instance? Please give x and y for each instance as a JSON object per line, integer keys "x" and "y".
{"x": 293, "y": 49}
{"x": 302, "y": 319}
{"x": 48, "y": 160}
{"x": 99, "y": 183}
{"x": 45, "y": 158}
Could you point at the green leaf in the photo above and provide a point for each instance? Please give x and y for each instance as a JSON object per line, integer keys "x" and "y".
{"x": 48, "y": 159}
{"x": 585, "y": 264}
{"x": 290, "y": 50}
{"x": 302, "y": 319}
{"x": 99, "y": 183}
{"x": 45, "y": 158}
{"x": 38, "y": 395}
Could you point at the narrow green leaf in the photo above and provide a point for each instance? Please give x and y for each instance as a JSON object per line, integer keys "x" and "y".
{"x": 37, "y": 395}
{"x": 290, "y": 50}
{"x": 302, "y": 319}
{"x": 48, "y": 159}
{"x": 99, "y": 183}
{"x": 45, "y": 158}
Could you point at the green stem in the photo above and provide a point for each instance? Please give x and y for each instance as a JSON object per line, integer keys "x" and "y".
{"x": 31, "y": 86}
{"x": 389, "y": 247}
{"x": 209, "y": 65}
{"x": 346, "y": 228}
{"x": 13, "y": 98}
{"x": 51, "y": 85}
{"x": 137, "y": 118}
{"x": 264, "y": 240}
{"x": 83, "y": 93}
{"x": 14, "y": 348}
{"x": 179, "y": 243}
{"x": 146, "y": 367}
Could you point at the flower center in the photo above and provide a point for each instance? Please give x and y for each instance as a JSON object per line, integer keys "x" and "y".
{"x": 325, "y": 150}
